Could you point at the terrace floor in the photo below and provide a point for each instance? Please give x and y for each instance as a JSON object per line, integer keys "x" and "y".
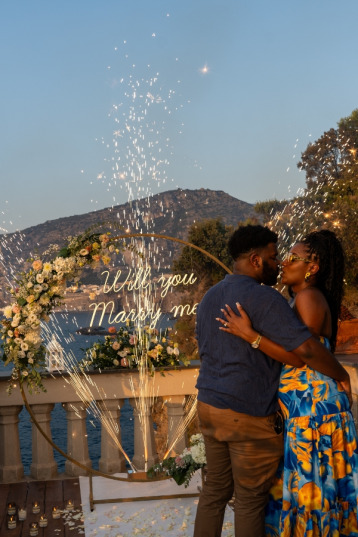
{"x": 48, "y": 494}
{"x": 112, "y": 516}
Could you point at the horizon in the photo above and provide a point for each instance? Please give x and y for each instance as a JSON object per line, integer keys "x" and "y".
{"x": 120, "y": 205}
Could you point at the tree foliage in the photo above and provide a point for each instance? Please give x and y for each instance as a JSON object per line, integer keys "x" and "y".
{"x": 212, "y": 236}
{"x": 330, "y": 198}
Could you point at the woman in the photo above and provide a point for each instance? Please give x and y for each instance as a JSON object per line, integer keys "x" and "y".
{"x": 316, "y": 490}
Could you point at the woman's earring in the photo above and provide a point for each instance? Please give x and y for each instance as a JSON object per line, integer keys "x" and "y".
{"x": 307, "y": 276}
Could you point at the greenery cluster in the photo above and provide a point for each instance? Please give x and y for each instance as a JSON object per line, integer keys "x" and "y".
{"x": 182, "y": 467}
{"x": 126, "y": 348}
{"x": 330, "y": 198}
{"x": 38, "y": 291}
{"x": 212, "y": 236}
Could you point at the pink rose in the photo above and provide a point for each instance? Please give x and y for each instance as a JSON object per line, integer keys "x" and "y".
{"x": 37, "y": 264}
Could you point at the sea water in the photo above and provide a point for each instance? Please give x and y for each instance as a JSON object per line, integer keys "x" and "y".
{"x": 64, "y": 326}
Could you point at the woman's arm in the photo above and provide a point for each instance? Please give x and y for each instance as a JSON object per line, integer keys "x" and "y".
{"x": 241, "y": 326}
{"x": 311, "y": 352}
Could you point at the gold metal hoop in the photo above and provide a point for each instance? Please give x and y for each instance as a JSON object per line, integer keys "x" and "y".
{"x": 92, "y": 471}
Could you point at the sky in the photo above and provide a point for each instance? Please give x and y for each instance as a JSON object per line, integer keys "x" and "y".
{"x": 104, "y": 101}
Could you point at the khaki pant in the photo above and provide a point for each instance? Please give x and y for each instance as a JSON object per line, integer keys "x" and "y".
{"x": 242, "y": 454}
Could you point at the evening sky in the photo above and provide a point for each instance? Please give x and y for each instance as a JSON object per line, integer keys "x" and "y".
{"x": 108, "y": 100}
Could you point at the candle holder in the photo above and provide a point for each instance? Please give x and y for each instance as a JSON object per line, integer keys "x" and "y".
{"x": 34, "y": 529}
{"x": 70, "y": 505}
{"x": 56, "y": 512}
{"x": 35, "y": 508}
{"x": 22, "y": 513}
{"x": 43, "y": 521}
{"x": 11, "y": 523}
{"x": 11, "y": 508}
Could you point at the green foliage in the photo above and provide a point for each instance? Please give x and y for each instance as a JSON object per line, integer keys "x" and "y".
{"x": 269, "y": 208}
{"x": 212, "y": 236}
{"x": 182, "y": 467}
{"x": 331, "y": 196}
{"x": 125, "y": 348}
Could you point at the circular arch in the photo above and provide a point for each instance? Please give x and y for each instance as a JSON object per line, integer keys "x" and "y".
{"x": 88, "y": 470}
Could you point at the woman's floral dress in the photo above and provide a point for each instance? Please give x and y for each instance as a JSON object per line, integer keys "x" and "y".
{"x": 316, "y": 490}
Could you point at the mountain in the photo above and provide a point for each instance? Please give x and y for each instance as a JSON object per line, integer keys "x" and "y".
{"x": 170, "y": 213}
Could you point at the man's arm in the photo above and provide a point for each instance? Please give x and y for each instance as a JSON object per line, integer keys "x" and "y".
{"x": 311, "y": 352}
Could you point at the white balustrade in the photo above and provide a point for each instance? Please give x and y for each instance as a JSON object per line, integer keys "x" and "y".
{"x": 118, "y": 386}
{"x": 175, "y": 388}
{"x": 43, "y": 462}
{"x": 112, "y": 459}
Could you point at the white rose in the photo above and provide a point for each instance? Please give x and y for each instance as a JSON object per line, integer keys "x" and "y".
{"x": 40, "y": 278}
{"x": 198, "y": 453}
{"x": 8, "y": 312}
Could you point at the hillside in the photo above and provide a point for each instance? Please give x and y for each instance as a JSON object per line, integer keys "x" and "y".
{"x": 170, "y": 213}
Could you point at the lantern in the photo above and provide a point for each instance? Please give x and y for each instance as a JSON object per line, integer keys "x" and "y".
{"x": 54, "y": 356}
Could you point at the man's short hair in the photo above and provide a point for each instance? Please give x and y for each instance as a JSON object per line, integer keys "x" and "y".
{"x": 247, "y": 238}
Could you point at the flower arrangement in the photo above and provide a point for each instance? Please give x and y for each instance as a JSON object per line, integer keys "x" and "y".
{"x": 37, "y": 292}
{"x": 182, "y": 467}
{"x": 123, "y": 348}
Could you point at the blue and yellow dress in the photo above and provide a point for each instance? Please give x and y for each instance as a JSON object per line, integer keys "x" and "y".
{"x": 316, "y": 490}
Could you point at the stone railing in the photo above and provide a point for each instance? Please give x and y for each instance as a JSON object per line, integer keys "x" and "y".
{"x": 115, "y": 387}
{"x": 112, "y": 390}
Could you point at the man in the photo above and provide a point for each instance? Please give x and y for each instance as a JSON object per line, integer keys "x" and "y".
{"x": 237, "y": 385}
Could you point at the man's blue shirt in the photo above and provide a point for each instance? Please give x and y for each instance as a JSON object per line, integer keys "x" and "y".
{"x": 233, "y": 374}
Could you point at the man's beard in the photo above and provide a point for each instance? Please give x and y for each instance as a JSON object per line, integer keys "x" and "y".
{"x": 269, "y": 275}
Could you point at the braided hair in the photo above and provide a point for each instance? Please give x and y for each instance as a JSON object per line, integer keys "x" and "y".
{"x": 325, "y": 248}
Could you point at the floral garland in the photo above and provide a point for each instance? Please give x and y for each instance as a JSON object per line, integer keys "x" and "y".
{"x": 182, "y": 467}
{"x": 122, "y": 348}
{"x": 37, "y": 292}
